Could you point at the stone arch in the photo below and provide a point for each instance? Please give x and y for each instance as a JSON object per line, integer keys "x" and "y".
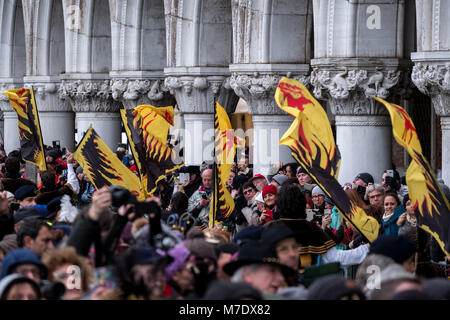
{"x": 12, "y": 66}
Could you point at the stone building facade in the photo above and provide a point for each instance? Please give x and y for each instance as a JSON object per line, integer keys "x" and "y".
{"x": 86, "y": 59}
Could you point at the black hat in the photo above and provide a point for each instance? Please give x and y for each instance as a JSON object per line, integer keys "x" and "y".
{"x": 52, "y": 153}
{"x": 366, "y": 177}
{"x": 54, "y": 205}
{"x": 256, "y": 252}
{"x": 334, "y": 287}
{"x": 191, "y": 170}
{"x": 276, "y": 232}
{"x": 25, "y": 191}
{"x": 399, "y": 248}
{"x": 301, "y": 170}
{"x": 25, "y": 213}
{"x": 226, "y": 290}
{"x": 239, "y": 180}
{"x": 248, "y": 233}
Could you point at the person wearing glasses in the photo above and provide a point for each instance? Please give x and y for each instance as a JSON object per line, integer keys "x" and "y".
{"x": 375, "y": 194}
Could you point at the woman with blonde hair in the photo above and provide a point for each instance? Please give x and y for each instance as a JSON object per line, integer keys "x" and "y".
{"x": 66, "y": 266}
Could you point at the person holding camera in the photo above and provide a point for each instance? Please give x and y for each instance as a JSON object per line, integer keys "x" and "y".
{"x": 269, "y": 194}
{"x": 199, "y": 202}
{"x": 392, "y": 183}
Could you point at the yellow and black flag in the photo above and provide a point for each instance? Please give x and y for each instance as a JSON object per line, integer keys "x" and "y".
{"x": 103, "y": 167}
{"x": 147, "y": 128}
{"x": 427, "y": 198}
{"x": 312, "y": 143}
{"x": 31, "y": 143}
{"x": 225, "y": 144}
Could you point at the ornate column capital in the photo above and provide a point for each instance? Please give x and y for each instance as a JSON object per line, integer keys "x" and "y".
{"x": 349, "y": 84}
{"x": 46, "y": 93}
{"x": 195, "y": 93}
{"x": 88, "y": 95}
{"x": 258, "y": 88}
{"x": 433, "y": 79}
{"x": 134, "y": 90}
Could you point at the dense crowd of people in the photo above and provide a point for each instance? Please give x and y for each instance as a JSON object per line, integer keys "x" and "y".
{"x": 60, "y": 238}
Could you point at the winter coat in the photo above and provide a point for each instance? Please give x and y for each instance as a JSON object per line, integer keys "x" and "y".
{"x": 390, "y": 226}
{"x": 194, "y": 201}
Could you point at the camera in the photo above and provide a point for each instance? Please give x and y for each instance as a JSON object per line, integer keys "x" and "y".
{"x": 121, "y": 196}
{"x": 390, "y": 173}
{"x": 52, "y": 291}
{"x": 318, "y": 216}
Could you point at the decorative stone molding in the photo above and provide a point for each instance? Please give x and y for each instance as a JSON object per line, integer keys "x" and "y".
{"x": 434, "y": 81}
{"x": 89, "y": 95}
{"x": 196, "y": 94}
{"x": 363, "y": 121}
{"x": 46, "y": 94}
{"x": 134, "y": 92}
{"x": 349, "y": 84}
{"x": 258, "y": 89}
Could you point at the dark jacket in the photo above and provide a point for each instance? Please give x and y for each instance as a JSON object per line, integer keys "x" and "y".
{"x": 12, "y": 184}
{"x": 87, "y": 232}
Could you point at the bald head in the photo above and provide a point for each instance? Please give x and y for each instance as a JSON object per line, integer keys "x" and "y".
{"x": 207, "y": 178}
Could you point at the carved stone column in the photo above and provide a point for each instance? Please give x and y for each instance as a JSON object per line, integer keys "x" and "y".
{"x": 137, "y": 27}
{"x": 195, "y": 97}
{"x": 431, "y": 75}
{"x": 91, "y": 99}
{"x": 269, "y": 121}
{"x": 198, "y": 45}
{"x": 271, "y": 39}
{"x": 431, "y": 72}
{"x": 363, "y": 128}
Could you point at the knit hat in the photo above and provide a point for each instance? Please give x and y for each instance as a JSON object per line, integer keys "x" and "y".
{"x": 399, "y": 248}
{"x": 179, "y": 253}
{"x": 317, "y": 190}
{"x": 79, "y": 170}
{"x": 20, "y": 256}
{"x": 334, "y": 287}
{"x": 280, "y": 178}
{"x": 366, "y": 177}
{"x": 270, "y": 188}
{"x": 12, "y": 279}
{"x": 25, "y": 191}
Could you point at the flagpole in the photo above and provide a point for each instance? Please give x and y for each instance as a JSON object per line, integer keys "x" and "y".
{"x": 214, "y": 192}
